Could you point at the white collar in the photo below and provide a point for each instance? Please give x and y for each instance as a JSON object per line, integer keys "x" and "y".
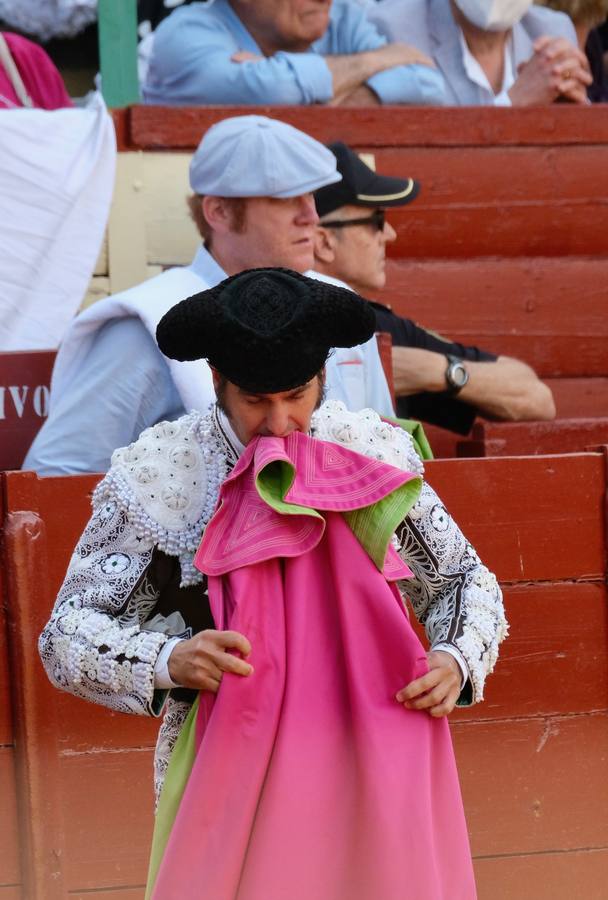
{"x": 477, "y": 75}
{"x": 206, "y": 267}
{"x": 229, "y": 432}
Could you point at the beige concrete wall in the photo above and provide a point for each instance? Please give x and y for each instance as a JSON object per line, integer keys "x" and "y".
{"x": 149, "y": 228}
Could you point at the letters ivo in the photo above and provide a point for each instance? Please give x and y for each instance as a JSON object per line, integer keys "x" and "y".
{"x": 20, "y": 399}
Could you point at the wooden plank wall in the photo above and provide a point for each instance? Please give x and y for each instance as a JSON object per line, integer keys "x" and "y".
{"x": 506, "y": 246}
{"x": 10, "y": 875}
{"x": 534, "y": 438}
{"x": 532, "y": 758}
{"x": 95, "y": 763}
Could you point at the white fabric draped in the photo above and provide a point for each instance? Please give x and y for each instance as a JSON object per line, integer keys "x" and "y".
{"x": 56, "y": 182}
{"x": 46, "y": 19}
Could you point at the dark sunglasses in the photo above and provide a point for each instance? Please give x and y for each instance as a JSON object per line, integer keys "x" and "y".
{"x": 376, "y": 220}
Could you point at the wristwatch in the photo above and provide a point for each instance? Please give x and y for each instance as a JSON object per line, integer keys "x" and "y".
{"x": 456, "y": 375}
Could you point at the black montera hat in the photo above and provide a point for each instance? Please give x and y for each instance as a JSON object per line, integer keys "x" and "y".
{"x": 361, "y": 186}
{"x": 266, "y": 330}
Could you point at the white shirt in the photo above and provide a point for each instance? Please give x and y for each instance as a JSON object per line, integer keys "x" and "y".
{"x": 109, "y": 354}
{"x": 477, "y": 75}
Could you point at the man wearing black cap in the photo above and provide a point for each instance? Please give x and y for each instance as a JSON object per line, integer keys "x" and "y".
{"x": 436, "y": 380}
{"x": 132, "y": 623}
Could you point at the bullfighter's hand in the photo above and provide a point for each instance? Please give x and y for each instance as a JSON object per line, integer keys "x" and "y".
{"x": 201, "y": 661}
{"x": 438, "y": 690}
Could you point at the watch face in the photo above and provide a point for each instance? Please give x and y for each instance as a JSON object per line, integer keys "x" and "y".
{"x": 459, "y": 374}
{"x": 456, "y": 374}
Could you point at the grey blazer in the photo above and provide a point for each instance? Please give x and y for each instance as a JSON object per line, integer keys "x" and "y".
{"x": 429, "y": 25}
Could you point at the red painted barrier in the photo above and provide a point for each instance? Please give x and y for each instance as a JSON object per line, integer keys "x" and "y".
{"x": 24, "y": 399}
{"x": 533, "y": 438}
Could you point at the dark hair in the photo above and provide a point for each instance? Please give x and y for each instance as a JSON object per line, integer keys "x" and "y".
{"x": 220, "y": 390}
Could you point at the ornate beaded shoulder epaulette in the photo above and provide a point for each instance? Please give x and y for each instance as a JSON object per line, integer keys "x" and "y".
{"x": 364, "y": 432}
{"x": 167, "y": 482}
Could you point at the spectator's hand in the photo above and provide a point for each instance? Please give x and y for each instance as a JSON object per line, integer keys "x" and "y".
{"x": 401, "y": 55}
{"x": 200, "y": 662}
{"x": 245, "y": 56}
{"x": 361, "y": 96}
{"x": 438, "y": 690}
{"x": 570, "y": 64}
{"x": 558, "y": 68}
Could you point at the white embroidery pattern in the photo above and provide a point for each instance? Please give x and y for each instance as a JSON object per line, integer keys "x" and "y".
{"x": 92, "y": 645}
{"x": 168, "y": 482}
{"x": 452, "y": 593}
{"x": 364, "y": 432}
{"x": 176, "y": 712}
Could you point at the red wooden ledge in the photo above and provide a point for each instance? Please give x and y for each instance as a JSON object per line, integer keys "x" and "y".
{"x": 181, "y": 128}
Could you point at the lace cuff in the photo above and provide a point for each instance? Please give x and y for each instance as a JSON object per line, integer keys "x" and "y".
{"x": 176, "y": 714}
{"x": 456, "y": 598}
{"x": 93, "y": 645}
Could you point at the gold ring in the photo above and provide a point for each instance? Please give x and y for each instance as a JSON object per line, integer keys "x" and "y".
{"x": 567, "y": 74}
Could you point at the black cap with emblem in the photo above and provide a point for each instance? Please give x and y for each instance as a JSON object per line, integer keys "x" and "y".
{"x": 266, "y": 330}
{"x": 361, "y": 186}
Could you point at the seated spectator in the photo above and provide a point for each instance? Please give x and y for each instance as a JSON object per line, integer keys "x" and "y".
{"x": 253, "y": 205}
{"x": 505, "y": 53}
{"x": 283, "y": 52}
{"x": 587, "y": 15}
{"x": 436, "y": 380}
{"x": 28, "y": 77}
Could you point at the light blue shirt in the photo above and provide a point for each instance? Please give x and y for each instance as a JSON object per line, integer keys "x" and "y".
{"x": 191, "y": 62}
{"x": 124, "y": 385}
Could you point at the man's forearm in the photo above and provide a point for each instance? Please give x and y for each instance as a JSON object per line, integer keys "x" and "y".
{"x": 350, "y": 71}
{"x": 361, "y": 96}
{"x": 505, "y": 389}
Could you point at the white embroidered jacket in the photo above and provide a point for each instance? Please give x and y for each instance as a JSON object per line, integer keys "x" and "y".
{"x": 157, "y": 498}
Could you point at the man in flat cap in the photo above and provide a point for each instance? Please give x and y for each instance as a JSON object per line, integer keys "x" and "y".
{"x": 252, "y": 179}
{"x": 437, "y": 380}
{"x": 304, "y": 744}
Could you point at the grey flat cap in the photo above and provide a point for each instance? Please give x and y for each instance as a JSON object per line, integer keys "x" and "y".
{"x": 254, "y": 156}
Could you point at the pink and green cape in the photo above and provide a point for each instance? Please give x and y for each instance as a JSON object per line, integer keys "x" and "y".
{"x": 307, "y": 780}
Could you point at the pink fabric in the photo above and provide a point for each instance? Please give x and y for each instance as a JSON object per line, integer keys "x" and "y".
{"x": 327, "y": 477}
{"x": 310, "y": 781}
{"x": 41, "y": 79}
